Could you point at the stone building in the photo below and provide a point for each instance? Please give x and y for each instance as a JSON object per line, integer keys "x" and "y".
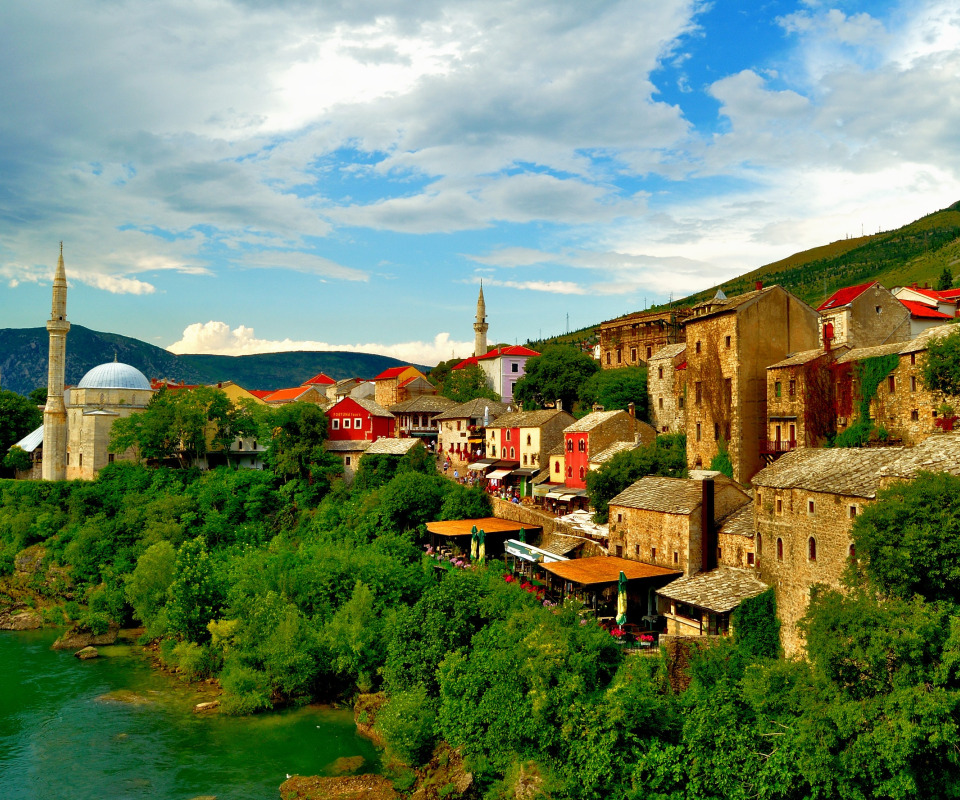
{"x": 702, "y": 604}
{"x": 631, "y": 341}
{"x": 863, "y": 316}
{"x": 939, "y": 453}
{"x": 397, "y": 384}
{"x": 674, "y": 522}
{"x": 593, "y": 434}
{"x": 526, "y": 436}
{"x": 666, "y": 388}
{"x": 911, "y": 411}
{"x": 417, "y": 417}
{"x": 462, "y": 428}
{"x": 805, "y": 503}
{"x": 730, "y": 344}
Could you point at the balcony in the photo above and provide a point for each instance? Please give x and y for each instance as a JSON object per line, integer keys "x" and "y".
{"x": 777, "y": 446}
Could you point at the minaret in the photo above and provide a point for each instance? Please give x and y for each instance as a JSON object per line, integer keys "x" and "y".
{"x": 480, "y": 327}
{"x": 55, "y": 413}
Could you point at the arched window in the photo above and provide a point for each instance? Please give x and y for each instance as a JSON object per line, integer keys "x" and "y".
{"x": 569, "y": 472}
{"x": 582, "y": 446}
{"x": 812, "y": 549}
{"x": 779, "y": 549}
{"x": 582, "y": 472}
{"x": 493, "y": 450}
{"x": 513, "y": 453}
{"x": 569, "y": 445}
{"x": 529, "y": 440}
{"x": 556, "y": 466}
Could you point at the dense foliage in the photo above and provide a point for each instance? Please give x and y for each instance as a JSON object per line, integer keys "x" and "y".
{"x": 558, "y": 373}
{"x": 18, "y": 416}
{"x": 941, "y": 368}
{"x": 616, "y": 389}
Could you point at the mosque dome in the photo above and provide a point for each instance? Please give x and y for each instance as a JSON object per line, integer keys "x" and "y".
{"x": 114, "y": 375}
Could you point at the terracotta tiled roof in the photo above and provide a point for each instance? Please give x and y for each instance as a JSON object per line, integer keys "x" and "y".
{"x": 668, "y": 352}
{"x": 937, "y": 453}
{"x": 844, "y": 296}
{"x": 846, "y": 471}
{"x": 923, "y": 311}
{"x": 527, "y": 419}
{"x": 604, "y": 569}
{"x": 473, "y": 409}
{"x": 719, "y": 590}
{"x": 286, "y": 395}
{"x": 392, "y": 447}
{"x": 424, "y": 404}
{"x": 467, "y": 362}
{"x": 950, "y": 294}
{"x": 261, "y": 393}
{"x": 511, "y": 350}
{"x": 591, "y": 421}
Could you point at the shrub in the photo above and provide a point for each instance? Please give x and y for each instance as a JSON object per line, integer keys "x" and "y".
{"x": 246, "y": 690}
{"x": 408, "y": 724}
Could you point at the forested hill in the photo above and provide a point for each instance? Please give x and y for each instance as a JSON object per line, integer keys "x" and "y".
{"x": 23, "y": 361}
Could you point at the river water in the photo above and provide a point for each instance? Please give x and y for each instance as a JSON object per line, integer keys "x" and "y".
{"x": 64, "y": 734}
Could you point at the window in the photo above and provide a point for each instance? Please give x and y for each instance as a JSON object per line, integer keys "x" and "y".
{"x": 636, "y": 549}
{"x": 357, "y": 423}
{"x": 698, "y": 431}
{"x": 779, "y": 505}
{"x": 698, "y": 392}
{"x": 524, "y": 459}
{"x": 660, "y": 372}
{"x": 891, "y": 385}
{"x": 681, "y": 402}
{"x": 913, "y": 358}
{"x": 653, "y": 553}
{"x": 620, "y": 519}
{"x": 556, "y": 466}
{"x": 514, "y": 367}
{"x": 697, "y": 347}
{"x": 779, "y": 549}
{"x": 728, "y": 391}
{"x": 569, "y": 472}
{"x": 569, "y": 445}
{"x": 660, "y": 403}
{"x": 776, "y": 389}
{"x": 792, "y": 388}
{"x": 508, "y": 435}
{"x": 239, "y": 444}
{"x": 81, "y": 459}
{"x": 336, "y": 423}
{"x": 726, "y": 341}
{"x": 529, "y": 440}
{"x": 749, "y": 559}
{"x": 346, "y": 422}
{"x": 458, "y": 424}
{"x": 619, "y": 355}
{"x": 582, "y": 445}
{"x": 716, "y": 431}
{"x": 608, "y": 359}
{"x": 812, "y": 549}
{"x": 619, "y": 551}
{"x": 853, "y": 511}
{"x": 582, "y": 473}
{"x": 346, "y": 461}
{"x": 878, "y": 309}
{"x": 809, "y": 506}
{"x": 913, "y": 383}
{"x": 513, "y": 453}
{"x": 759, "y": 544}
{"x": 915, "y": 415}
{"x": 633, "y": 353}
{"x": 649, "y": 353}
{"x": 110, "y": 458}
{"x": 493, "y": 450}
{"x": 676, "y": 557}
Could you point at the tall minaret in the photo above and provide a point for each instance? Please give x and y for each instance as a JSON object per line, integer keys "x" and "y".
{"x": 480, "y": 327}
{"x": 55, "y": 413}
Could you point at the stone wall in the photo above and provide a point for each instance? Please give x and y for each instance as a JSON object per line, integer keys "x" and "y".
{"x": 735, "y": 549}
{"x": 517, "y": 512}
{"x": 632, "y": 340}
{"x": 909, "y": 411}
{"x": 665, "y": 388}
{"x": 655, "y": 537}
{"x": 785, "y": 515}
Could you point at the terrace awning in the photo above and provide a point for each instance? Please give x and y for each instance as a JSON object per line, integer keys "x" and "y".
{"x": 499, "y": 474}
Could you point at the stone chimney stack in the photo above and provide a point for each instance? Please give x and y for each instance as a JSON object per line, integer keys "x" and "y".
{"x": 559, "y": 404}
{"x": 632, "y": 409}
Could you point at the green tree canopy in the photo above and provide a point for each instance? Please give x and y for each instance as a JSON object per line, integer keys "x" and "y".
{"x": 941, "y": 368}
{"x": 616, "y": 389}
{"x": 467, "y": 384}
{"x": 945, "y": 281}
{"x": 557, "y": 374}
{"x": 18, "y": 417}
{"x": 39, "y": 395}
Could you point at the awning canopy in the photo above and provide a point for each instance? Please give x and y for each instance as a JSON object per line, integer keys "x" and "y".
{"x": 530, "y": 553}
{"x": 540, "y": 490}
{"x": 555, "y": 494}
{"x": 499, "y": 474}
{"x": 526, "y": 472}
{"x": 598, "y": 570}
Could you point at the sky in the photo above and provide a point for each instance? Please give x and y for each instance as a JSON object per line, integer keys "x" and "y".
{"x": 243, "y": 176}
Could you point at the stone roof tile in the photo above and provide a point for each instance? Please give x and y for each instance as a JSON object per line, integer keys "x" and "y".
{"x": 937, "y": 453}
{"x": 719, "y": 590}
{"x": 846, "y": 471}
{"x": 392, "y": 447}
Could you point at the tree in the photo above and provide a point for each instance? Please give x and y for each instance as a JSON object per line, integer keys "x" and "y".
{"x": 17, "y": 459}
{"x": 39, "y": 395}
{"x": 908, "y": 542}
{"x": 557, "y": 374}
{"x": 148, "y": 584}
{"x": 296, "y": 452}
{"x": 194, "y": 595}
{"x": 616, "y": 389}
{"x": 469, "y": 383}
{"x": 945, "y": 281}
{"x": 666, "y": 456}
{"x": 18, "y": 417}
{"x": 941, "y": 369}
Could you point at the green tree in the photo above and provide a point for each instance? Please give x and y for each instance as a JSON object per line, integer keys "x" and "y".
{"x": 557, "y": 374}
{"x": 941, "y": 368}
{"x": 408, "y": 723}
{"x": 467, "y": 384}
{"x": 296, "y": 452}
{"x": 39, "y": 396}
{"x": 148, "y": 584}
{"x": 616, "y": 389}
{"x": 721, "y": 461}
{"x": 666, "y": 456}
{"x": 195, "y": 595}
{"x": 18, "y": 417}
{"x": 945, "y": 281}
{"x": 17, "y": 459}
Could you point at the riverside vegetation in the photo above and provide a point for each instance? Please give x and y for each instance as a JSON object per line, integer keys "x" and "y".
{"x": 289, "y": 588}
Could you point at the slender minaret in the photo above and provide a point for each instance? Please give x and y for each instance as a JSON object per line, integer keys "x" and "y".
{"x": 480, "y": 327}
{"x": 55, "y": 413}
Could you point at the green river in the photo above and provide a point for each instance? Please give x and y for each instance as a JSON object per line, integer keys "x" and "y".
{"x": 113, "y": 727}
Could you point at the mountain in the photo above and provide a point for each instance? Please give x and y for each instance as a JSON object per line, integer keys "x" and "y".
{"x": 23, "y": 361}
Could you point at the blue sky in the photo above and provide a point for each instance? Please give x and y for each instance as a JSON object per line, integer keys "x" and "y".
{"x": 233, "y": 176}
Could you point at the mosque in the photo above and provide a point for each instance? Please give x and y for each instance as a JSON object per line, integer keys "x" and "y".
{"x": 74, "y": 440}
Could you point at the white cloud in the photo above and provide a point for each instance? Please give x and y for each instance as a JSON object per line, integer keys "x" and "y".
{"x": 217, "y": 338}
{"x": 550, "y": 287}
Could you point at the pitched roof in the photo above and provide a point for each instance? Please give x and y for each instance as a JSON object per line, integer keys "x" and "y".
{"x": 413, "y": 378}
{"x": 370, "y": 406}
{"x": 668, "y": 352}
{"x": 467, "y": 362}
{"x": 605, "y": 455}
{"x": 527, "y": 419}
{"x": 31, "y": 441}
{"x": 473, "y": 409}
{"x": 320, "y": 380}
{"x": 802, "y": 357}
{"x": 287, "y": 395}
{"x": 733, "y": 303}
{"x": 604, "y": 569}
{"x": 844, "y": 296}
{"x": 669, "y": 495}
{"x": 950, "y": 294}
{"x": 425, "y": 403}
{"x": 937, "y": 453}
{"x": 592, "y": 420}
{"x": 847, "y": 471}
{"x": 860, "y": 353}
{"x": 392, "y": 447}
{"x": 719, "y": 590}
{"x": 739, "y": 522}
{"x": 923, "y": 340}
{"x": 346, "y": 445}
{"x": 923, "y": 311}
{"x": 510, "y": 350}
{"x": 260, "y": 393}
{"x": 392, "y": 372}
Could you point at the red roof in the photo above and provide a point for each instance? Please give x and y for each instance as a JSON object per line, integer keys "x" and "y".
{"x": 320, "y": 379}
{"x": 467, "y": 362}
{"x": 950, "y": 294}
{"x": 842, "y": 297}
{"x": 171, "y": 387}
{"x": 393, "y": 372}
{"x": 931, "y": 293}
{"x": 923, "y": 311}
{"x": 285, "y": 394}
{"x": 510, "y": 350}
{"x": 261, "y": 393}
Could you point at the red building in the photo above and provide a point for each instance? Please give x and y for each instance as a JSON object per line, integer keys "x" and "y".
{"x": 359, "y": 420}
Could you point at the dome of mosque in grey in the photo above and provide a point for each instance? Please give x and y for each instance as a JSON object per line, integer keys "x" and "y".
{"x": 114, "y": 375}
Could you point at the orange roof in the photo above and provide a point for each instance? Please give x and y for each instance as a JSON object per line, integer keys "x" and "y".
{"x": 467, "y": 362}
{"x": 462, "y": 527}
{"x": 285, "y": 395}
{"x": 923, "y": 311}
{"x": 393, "y": 372}
{"x": 605, "y": 569}
{"x": 321, "y": 379}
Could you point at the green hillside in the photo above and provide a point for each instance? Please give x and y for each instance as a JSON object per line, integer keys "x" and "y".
{"x": 23, "y": 361}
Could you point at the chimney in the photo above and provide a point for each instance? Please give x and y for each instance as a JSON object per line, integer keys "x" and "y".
{"x": 520, "y": 406}
{"x": 913, "y": 285}
{"x": 632, "y": 409}
{"x": 708, "y": 529}
{"x": 559, "y": 404}
{"x": 758, "y": 285}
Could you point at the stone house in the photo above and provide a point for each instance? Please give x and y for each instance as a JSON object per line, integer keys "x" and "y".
{"x": 351, "y": 387}
{"x": 349, "y": 451}
{"x": 674, "y": 522}
{"x": 863, "y": 316}
{"x": 388, "y": 383}
{"x": 730, "y": 344}
{"x": 417, "y": 417}
{"x": 462, "y": 427}
{"x": 593, "y": 434}
{"x": 666, "y": 388}
{"x": 939, "y": 453}
{"x": 805, "y": 504}
{"x": 701, "y": 604}
{"x": 526, "y": 436}
{"x": 631, "y": 341}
